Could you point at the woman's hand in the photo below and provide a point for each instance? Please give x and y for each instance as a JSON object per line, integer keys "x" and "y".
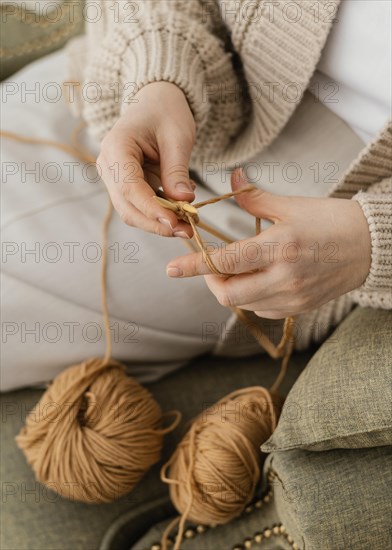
{"x": 316, "y": 250}
{"x": 148, "y": 147}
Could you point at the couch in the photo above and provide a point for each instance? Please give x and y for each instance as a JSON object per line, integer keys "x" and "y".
{"x": 327, "y": 478}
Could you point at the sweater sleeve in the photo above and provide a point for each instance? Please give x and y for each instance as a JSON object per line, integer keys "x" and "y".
{"x": 243, "y": 66}
{"x": 184, "y": 42}
{"x": 376, "y": 204}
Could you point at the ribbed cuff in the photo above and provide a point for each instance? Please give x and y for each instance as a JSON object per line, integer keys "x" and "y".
{"x": 166, "y": 56}
{"x": 179, "y": 51}
{"x": 243, "y": 73}
{"x": 377, "y": 209}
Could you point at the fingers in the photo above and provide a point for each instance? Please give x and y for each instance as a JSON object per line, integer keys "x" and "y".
{"x": 152, "y": 176}
{"x": 175, "y": 152}
{"x": 149, "y": 147}
{"x": 239, "y": 257}
{"x": 240, "y": 290}
{"x": 257, "y": 292}
{"x": 133, "y": 186}
{"x": 132, "y": 217}
{"x": 132, "y": 196}
{"x": 257, "y": 202}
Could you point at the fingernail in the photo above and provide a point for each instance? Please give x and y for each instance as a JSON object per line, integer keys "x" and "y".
{"x": 174, "y": 272}
{"x": 181, "y": 234}
{"x": 184, "y": 188}
{"x": 165, "y": 221}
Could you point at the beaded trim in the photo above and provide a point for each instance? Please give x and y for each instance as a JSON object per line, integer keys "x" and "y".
{"x": 278, "y": 530}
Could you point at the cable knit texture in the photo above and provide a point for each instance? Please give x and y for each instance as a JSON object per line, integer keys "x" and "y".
{"x": 243, "y": 67}
{"x": 377, "y": 207}
{"x": 372, "y": 171}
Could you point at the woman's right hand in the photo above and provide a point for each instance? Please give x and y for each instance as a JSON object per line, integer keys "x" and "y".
{"x": 150, "y": 147}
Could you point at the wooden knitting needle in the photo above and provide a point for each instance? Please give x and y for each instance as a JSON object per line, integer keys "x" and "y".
{"x": 192, "y": 210}
{"x": 172, "y": 205}
{"x": 166, "y": 204}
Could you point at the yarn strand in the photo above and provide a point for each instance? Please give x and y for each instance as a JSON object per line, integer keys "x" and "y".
{"x": 104, "y": 276}
{"x": 94, "y": 426}
{"x": 189, "y": 214}
{"x": 185, "y": 480}
{"x": 115, "y": 453}
{"x": 234, "y": 455}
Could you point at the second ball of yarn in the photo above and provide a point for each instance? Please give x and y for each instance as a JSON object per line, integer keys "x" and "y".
{"x": 216, "y": 467}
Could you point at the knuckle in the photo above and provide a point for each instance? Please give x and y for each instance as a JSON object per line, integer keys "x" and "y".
{"x": 126, "y": 218}
{"x": 297, "y": 283}
{"x": 228, "y": 263}
{"x": 195, "y": 268}
{"x": 224, "y": 299}
{"x": 162, "y": 231}
{"x": 125, "y": 190}
{"x": 145, "y": 206}
{"x": 178, "y": 171}
{"x": 289, "y": 237}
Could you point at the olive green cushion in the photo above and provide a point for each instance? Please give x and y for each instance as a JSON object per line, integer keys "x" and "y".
{"x": 343, "y": 398}
{"x": 335, "y": 500}
{"x": 27, "y": 35}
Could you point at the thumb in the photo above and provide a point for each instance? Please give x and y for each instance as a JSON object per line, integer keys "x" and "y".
{"x": 174, "y": 163}
{"x": 257, "y": 202}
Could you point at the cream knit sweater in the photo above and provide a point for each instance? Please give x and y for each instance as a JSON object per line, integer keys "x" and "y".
{"x": 236, "y": 62}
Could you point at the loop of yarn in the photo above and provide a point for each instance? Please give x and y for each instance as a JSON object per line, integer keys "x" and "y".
{"x": 214, "y": 471}
{"x": 182, "y": 209}
{"x": 94, "y": 433}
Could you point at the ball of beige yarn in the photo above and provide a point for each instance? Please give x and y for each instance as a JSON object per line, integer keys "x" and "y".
{"x": 94, "y": 433}
{"x": 216, "y": 467}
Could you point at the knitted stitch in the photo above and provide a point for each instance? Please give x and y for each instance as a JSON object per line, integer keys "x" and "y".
{"x": 372, "y": 171}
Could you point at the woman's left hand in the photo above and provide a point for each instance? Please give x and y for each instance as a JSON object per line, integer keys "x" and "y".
{"x": 315, "y": 251}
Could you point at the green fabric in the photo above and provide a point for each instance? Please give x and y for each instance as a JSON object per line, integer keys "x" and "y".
{"x": 335, "y": 500}
{"x": 343, "y": 398}
{"x": 224, "y": 537}
{"x": 26, "y": 36}
{"x": 42, "y": 520}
